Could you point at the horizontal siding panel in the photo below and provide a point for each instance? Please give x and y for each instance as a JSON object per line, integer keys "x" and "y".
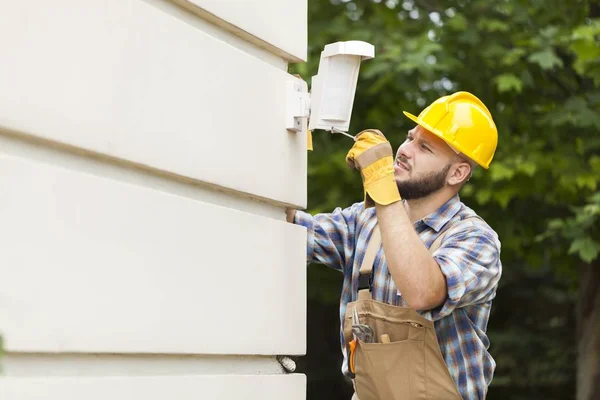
{"x": 103, "y": 364}
{"x": 133, "y": 81}
{"x": 94, "y": 265}
{"x": 228, "y": 387}
{"x": 281, "y": 23}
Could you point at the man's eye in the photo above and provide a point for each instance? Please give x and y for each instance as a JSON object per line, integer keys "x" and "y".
{"x": 425, "y": 148}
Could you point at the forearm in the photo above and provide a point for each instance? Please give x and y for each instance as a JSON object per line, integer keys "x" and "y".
{"x": 414, "y": 271}
{"x": 330, "y": 236}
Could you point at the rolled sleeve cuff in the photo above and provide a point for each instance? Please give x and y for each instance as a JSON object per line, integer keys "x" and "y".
{"x": 456, "y": 288}
{"x": 306, "y": 220}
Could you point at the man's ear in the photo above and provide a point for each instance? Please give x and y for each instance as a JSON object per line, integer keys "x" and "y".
{"x": 459, "y": 173}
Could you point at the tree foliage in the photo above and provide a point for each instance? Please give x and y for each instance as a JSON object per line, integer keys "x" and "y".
{"x": 536, "y": 65}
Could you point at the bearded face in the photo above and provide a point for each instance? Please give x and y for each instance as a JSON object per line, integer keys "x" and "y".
{"x": 425, "y": 165}
{"x": 420, "y": 185}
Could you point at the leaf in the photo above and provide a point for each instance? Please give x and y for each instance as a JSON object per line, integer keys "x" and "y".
{"x": 500, "y": 171}
{"x": 581, "y": 114}
{"x": 458, "y": 23}
{"x": 556, "y": 224}
{"x": 492, "y": 25}
{"x": 493, "y": 52}
{"x": 585, "y": 51}
{"x": 513, "y": 55}
{"x": 575, "y": 112}
{"x": 595, "y": 164}
{"x": 546, "y": 59}
{"x": 527, "y": 78}
{"x": 595, "y": 198}
{"x": 592, "y": 210}
{"x": 508, "y": 82}
{"x": 589, "y": 181}
{"x": 483, "y": 196}
{"x": 549, "y": 32}
{"x": 528, "y": 168}
{"x": 579, "y": 146}
{"x": 470, "y": 37}
{"x": 503, "y": 197}
{"x": 586, "y": 248}
{"x": 587, "y": 31}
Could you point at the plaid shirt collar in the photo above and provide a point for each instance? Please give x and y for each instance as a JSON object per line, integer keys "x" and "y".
{"x": 437, "y": 219}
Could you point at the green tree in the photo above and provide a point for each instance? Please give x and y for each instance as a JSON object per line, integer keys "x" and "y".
{"x": 536, "y": 65}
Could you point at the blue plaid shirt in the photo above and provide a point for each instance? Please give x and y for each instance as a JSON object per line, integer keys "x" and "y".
{"x": 469, "y": 258}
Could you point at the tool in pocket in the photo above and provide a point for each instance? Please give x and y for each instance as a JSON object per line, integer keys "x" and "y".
{"x": 361, "y": 332}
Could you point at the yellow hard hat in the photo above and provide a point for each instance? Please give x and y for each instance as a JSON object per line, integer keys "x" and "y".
{"x": 464, "y": 123}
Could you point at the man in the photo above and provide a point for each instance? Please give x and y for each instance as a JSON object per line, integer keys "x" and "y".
{"x": 413, "y": 198}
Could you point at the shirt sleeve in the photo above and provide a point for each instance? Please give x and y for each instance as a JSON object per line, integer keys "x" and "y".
{"x": 330, "y": 236}
{"x": 469, "y": 258}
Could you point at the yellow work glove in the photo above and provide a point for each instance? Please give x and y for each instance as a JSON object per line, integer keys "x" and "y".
{"x": 372, "y": 154}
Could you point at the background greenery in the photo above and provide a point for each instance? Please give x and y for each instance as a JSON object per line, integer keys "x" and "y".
{"x": 536, "y": 65}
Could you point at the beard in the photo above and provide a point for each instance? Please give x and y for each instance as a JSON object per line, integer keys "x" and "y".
{"x": 423, "y": 186}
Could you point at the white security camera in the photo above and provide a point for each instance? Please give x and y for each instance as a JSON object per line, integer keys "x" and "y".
{"x": 329, "y": 105}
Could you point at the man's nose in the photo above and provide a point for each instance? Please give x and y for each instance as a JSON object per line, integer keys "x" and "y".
{"x": 404, "y": 151}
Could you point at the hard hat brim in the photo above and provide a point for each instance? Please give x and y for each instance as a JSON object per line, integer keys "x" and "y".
{"x": 430, "y": 129}
{"x": 437, "y": 133}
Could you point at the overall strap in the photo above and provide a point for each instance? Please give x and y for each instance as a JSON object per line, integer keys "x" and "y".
{"x": 372, "y": 248}
{"x": 366, "y": 268}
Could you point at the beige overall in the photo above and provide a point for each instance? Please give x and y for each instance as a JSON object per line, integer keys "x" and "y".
{"x": 410, "y": 366}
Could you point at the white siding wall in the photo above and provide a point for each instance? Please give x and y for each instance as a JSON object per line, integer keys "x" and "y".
{"x": 144, "y": 172}
{"x": 156, "y": 388}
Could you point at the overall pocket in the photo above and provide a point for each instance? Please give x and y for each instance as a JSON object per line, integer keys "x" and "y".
{"x": 390, "y": 371}
{"x": 395, "y": 370}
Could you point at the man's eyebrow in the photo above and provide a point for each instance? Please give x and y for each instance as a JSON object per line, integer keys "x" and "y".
{"x": 426, "y": 142}
{"x": 421, "y": 140}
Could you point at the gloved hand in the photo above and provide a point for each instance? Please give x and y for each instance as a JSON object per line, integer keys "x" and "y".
{"x": 372, "y": 154}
